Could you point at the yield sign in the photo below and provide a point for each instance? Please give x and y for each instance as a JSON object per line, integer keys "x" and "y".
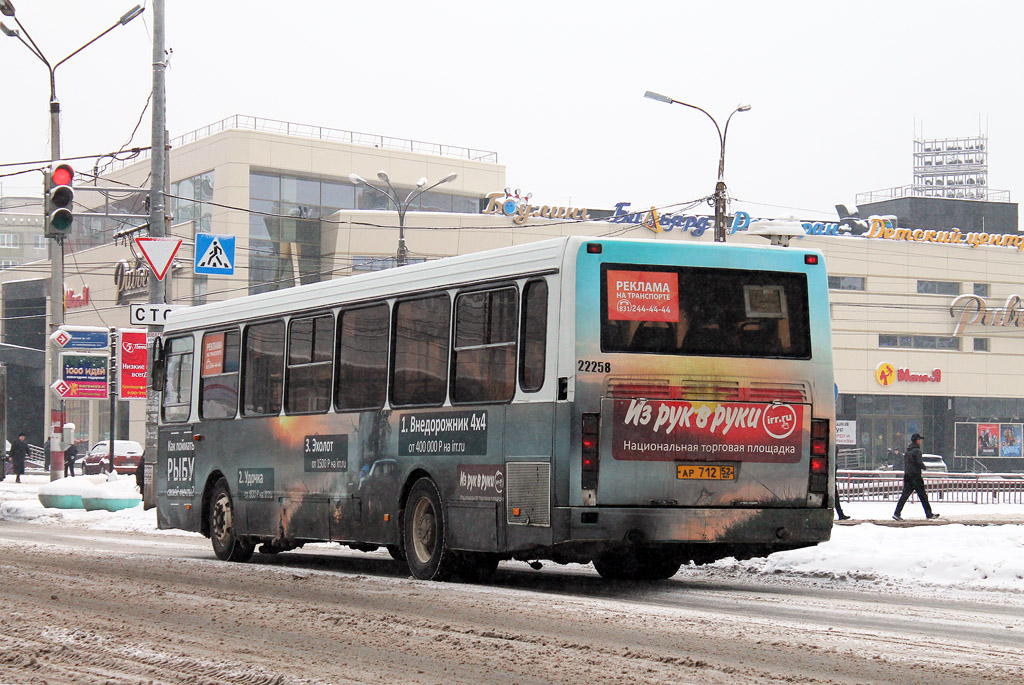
{"x": 159, "y": 252}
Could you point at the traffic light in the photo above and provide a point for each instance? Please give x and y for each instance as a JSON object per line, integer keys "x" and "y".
{"x": 59, "y": 198}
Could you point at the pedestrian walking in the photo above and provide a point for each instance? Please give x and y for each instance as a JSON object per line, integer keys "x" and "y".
{"x": 19, "y": 451}
{"x": 70, "y": 455}
{"x": 913, "y": 481}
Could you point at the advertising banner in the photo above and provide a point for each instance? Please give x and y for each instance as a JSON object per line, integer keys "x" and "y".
{"x": 84, "y": 376}
{"x": 677, "y": 430}
{"x": 988, "y": 440}
{"x": 846, "y": 432}
{"x": 1009, "y": 439}
{"x": 132, "y": 365}
{"x": 643, "y": 296}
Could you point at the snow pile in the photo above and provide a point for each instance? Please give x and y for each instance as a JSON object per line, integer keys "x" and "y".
{"x": 951, "y": 555}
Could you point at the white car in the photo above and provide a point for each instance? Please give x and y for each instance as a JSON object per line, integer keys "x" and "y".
{"x": 934, "y": 463}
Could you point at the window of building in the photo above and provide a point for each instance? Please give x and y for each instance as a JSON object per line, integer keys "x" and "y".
{"x": 938, "y": 287}
{"x": 981, "y": 289}
{"x": 310, "y": 350}
{"x": 533, "y": 340}
{"x": 264, "y": 369}
{"x": 362, "y": 358}
{"x": 981, "y": 345}
{"x": 7, "y": 263}
{"x": 40, "y": 242}
{"x": 419, "y": 363}
{"x": 177, "y": 395}
{"x": 218, "y": 385}
{"x": 919, "y": 342}
{"x": 484, "y": 355}
{"x": 846, "y": 282}
{"x": 9, "y": 240}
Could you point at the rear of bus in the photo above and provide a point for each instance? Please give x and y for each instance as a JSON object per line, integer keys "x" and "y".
{"x": 703, "y": 403}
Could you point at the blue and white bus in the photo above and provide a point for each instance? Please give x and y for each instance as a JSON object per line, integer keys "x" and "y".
{"x": 635, "y": 404}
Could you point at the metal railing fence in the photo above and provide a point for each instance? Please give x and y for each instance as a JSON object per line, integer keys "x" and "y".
{"x": 973, "y": 488}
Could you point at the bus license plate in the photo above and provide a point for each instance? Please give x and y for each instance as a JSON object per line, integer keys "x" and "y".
{"x": 705, "y": 472}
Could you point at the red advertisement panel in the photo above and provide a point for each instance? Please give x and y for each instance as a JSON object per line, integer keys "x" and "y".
{"x": 643, "y": 296}
{"x": 213, "y": 354}
{"x": 674, "y": 430}
{"x": 132, "y": 376}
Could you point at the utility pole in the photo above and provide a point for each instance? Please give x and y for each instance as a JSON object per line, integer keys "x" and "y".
{"x": 157, "y": 229}
{"x": 56, "y": 413}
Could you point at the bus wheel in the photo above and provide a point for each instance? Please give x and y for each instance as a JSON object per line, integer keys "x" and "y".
{"x": 396, "y": 552}
{"x": 426, "y": 536}
{"x": 226, "y": 545}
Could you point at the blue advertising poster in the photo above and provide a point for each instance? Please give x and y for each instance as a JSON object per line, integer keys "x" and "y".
{"x": 1009, "y": 439}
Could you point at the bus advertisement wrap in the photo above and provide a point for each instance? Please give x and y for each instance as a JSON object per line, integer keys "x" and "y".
{"x": 671, "y": 430}
{"x": 325, "y": 453}
{"x": 443, "y": 434}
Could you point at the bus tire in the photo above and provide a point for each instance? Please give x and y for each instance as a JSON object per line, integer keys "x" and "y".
{"x": 226, "y": 544}
{"x": 396, "y": 552}
{"x": 425, "y": 538}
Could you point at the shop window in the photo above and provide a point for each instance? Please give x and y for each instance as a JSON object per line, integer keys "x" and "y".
{"x": 938, "y": 287}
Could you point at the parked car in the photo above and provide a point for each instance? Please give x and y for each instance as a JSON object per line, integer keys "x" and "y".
{"x": 934, "y": 464}
{"x": 127, "y": 455}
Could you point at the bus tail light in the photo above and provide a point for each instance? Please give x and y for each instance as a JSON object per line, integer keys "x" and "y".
{"x": 818, "y": 486}
{"x": 590, "y": 450}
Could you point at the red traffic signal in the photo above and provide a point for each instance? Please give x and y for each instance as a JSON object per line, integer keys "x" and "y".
{"x": 59, "y": 198}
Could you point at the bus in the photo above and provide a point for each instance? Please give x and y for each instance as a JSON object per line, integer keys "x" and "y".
{"x": 636, "y": 404}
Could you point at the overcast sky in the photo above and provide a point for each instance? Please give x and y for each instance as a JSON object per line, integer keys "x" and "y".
{"x": 555, "y": 88}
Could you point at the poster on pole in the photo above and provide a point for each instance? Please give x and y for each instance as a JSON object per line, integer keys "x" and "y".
{"x": 131, "y": 364}
{"x": 83, "y": 376}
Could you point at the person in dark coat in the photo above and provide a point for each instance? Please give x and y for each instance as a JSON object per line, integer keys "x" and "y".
{"x": 70, "y": 455}
{"x": 913, "y": 481}
{"x": 19, "y": 451}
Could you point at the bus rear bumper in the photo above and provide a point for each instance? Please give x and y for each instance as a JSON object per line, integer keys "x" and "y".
{"x": 783, "y": 527}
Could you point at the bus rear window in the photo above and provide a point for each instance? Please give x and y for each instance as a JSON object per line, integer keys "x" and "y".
{"x": 704, "y": 312}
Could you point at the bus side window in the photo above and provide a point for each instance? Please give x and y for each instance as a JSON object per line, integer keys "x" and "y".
{"x": 177, "y": 396}
{"x": 310, "y": 349}
{"x": 362, "y": 358}
{"x": 484, "y": 356}
{"x": 533, "y": 345}
{"x": 263, "y": 371}
{"x": 419, "y": 374}
{"x": 218, "y": 384}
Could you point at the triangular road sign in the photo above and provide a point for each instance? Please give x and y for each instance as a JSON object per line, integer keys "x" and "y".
{"x": 159, "y": 253}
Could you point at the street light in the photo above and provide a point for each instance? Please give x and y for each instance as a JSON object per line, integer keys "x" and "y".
{"x": 403, "y": 207}
{"x": 720, "y": 186}
{"x": 56, "y": 249}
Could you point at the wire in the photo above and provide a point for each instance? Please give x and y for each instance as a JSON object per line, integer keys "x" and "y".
{"x": 135, "y": 152}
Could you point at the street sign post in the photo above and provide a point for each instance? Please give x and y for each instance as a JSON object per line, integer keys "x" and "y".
{"x": 215, "y": 254}
{"x": 81, "y": 338}
{"x": 150, "y": 314}
{"x": 159, "y": 253}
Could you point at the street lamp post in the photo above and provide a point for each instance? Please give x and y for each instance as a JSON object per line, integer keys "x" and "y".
{"x": 56, "y": 249}
{"x": 720, "y": 195}
{"x": 403, "y": 206}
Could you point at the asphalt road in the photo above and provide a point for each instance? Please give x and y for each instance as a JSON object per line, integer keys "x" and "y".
{"x": 85, "y": 606}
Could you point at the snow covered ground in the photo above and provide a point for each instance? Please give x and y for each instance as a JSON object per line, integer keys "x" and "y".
{"x": 944, "y": 553}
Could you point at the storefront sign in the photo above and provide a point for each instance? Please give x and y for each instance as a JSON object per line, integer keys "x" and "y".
{"x": 886, "y": 374}
{"x": 846, "y": 432}
{"x": 671, "y": 430}
{"x": 73, "y": 301}
{"x": 972, "y": 309}
{"x": 883, "y": 229}
{"x": 130, "y": 281}
{"x": 520, "y": 209}
{"x": 131, "y": 377}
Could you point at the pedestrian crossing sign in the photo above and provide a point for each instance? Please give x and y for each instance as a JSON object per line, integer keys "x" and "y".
{"x": 215, "y": 254}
